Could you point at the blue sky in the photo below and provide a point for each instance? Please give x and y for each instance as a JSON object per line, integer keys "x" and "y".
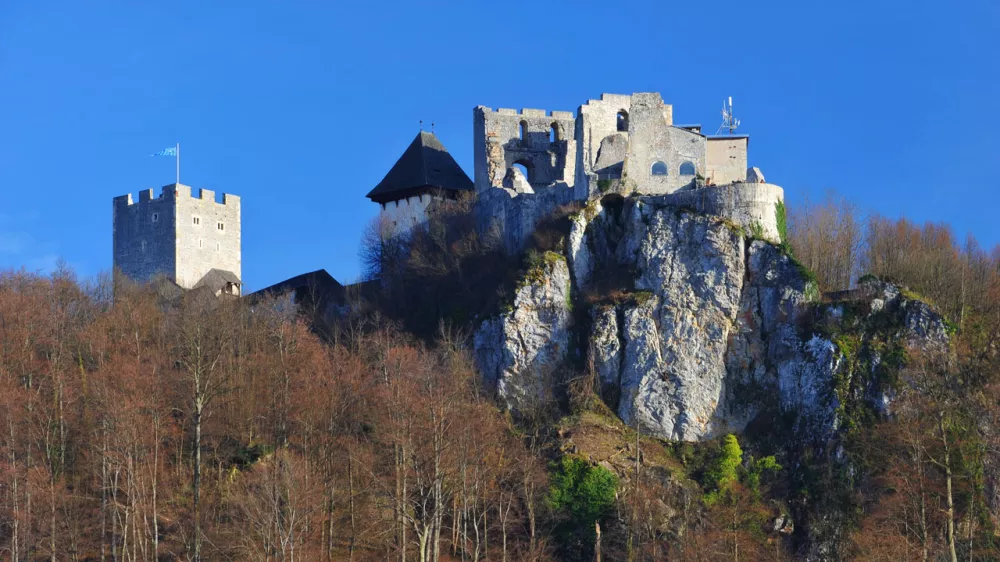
{"x": 302, "y": 107}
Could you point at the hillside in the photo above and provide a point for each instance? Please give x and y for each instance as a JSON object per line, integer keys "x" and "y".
{"x": 645, "y": 382}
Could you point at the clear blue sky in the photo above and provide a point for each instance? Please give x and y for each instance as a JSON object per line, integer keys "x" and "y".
{"x": 301, "y": 108}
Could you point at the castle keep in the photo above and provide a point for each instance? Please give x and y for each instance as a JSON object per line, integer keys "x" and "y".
{"x": 192, "y": 241}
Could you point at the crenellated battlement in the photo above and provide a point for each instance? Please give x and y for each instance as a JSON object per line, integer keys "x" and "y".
{"x": 526, "y": 112}
{"x": 182, "y": 234}
{"x": 614, "y": 99}
{"x": 176, "y": 191}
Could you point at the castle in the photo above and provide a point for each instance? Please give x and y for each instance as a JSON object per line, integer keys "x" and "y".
{"x": 526, "y": 164}
{"x": 530, "y": 162}
{"x": 191, "y": 241}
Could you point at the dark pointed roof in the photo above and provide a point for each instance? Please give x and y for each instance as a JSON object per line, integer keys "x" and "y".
{"x": 424, "y": 166}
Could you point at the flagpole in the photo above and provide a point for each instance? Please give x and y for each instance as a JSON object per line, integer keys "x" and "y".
{"x": 178, "y": 155}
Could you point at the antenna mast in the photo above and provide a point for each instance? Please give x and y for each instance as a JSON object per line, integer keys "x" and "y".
{"x": 728, "y": 121}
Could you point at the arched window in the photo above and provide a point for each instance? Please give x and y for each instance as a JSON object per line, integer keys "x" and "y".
{"x": 525, "y": 170}
{"x": 687, "y": 169}
{"x": 554, "y": 133}
{"x": 659, "y": 169}
{"x": 623, "y": 121}
{"x": 524, "y": 130}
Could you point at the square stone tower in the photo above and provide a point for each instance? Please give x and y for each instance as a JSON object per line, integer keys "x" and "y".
{"x": 193, "y": 241}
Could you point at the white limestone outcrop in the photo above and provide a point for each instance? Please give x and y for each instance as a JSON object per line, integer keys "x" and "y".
{"x": 714, "y": 329}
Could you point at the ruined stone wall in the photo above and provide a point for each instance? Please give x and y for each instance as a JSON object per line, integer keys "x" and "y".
{"x": 143, "y": 235}
{"x": 726, "y": 159}
{"x": 653, "y": 139}
{"x": 208, "y": 235}
{"x": 514, "y": 216}
{"x": 499, "y": 145}
{"x": 598, "y": 119}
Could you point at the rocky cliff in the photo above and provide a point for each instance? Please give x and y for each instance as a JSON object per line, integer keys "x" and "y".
{"x": 693, "y": 328}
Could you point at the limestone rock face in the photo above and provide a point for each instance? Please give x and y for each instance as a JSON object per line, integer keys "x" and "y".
{"x": 767, "y": 353}
{"x": 606, "y": 347}
{"x": 519, "y": 350}
{"x": 675, "y": 342}
{"x": 694, "y": 330}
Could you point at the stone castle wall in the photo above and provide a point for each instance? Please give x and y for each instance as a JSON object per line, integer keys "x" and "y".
{"x": 598, "y": 120}
{"x": 210, "y": 242}
{"x": 143, "y": 235}
{"x": 653, "y": 139}
{"x": 726, "y": 159}
{"x": 399, "y": 217}
{"x": 514, "y": 216}
{"x": 549, "y": 159}
{"x": 176, "y": 235}
{"x": 746, "y": 204}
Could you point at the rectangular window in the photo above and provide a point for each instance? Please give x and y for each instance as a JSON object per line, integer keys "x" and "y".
{"x": 201, "y": 244}
{"x": 156, "y": 217}
{"x": 196, "y": 220}
{"x": 222, "y": 226}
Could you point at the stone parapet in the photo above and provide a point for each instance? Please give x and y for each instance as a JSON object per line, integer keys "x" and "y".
{"x": 749, "y": 205}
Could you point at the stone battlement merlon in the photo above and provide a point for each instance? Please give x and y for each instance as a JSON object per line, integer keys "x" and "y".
{"x": 527, "y": 112}
{"x": 176, "y": 191}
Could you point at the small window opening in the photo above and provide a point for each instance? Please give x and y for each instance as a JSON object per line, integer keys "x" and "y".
{"x": 687, "y": 169}
{"x": 524, "y": 170}
{"x": 659, "y": 169}
{"x": 523, "y": 131}
{"x": 156, "y": 217}
{"x": 196, "y": 220}
{"x": 623, "y": 121}
{"x": 554, "y": 133}
{"x": 201, "y": 243}
{"x": 222, "y": 226}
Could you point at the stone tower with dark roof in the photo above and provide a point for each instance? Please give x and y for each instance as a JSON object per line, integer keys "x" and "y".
{"x": 425, "y": 172}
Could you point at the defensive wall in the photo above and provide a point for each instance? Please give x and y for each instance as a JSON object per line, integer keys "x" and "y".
{"x": 749, "y": 205}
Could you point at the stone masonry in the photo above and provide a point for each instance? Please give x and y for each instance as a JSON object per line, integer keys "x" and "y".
{"x": 177, "y": 235}
{"x": 625, "y": 143}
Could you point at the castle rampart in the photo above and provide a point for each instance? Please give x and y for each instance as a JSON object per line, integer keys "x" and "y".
{"x": 752, "y": 206}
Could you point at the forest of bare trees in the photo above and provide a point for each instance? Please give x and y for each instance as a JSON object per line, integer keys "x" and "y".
{"x": 146, "y": 432}
{"x": 840, "y": 244}
{"x": 142, "y": 429}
